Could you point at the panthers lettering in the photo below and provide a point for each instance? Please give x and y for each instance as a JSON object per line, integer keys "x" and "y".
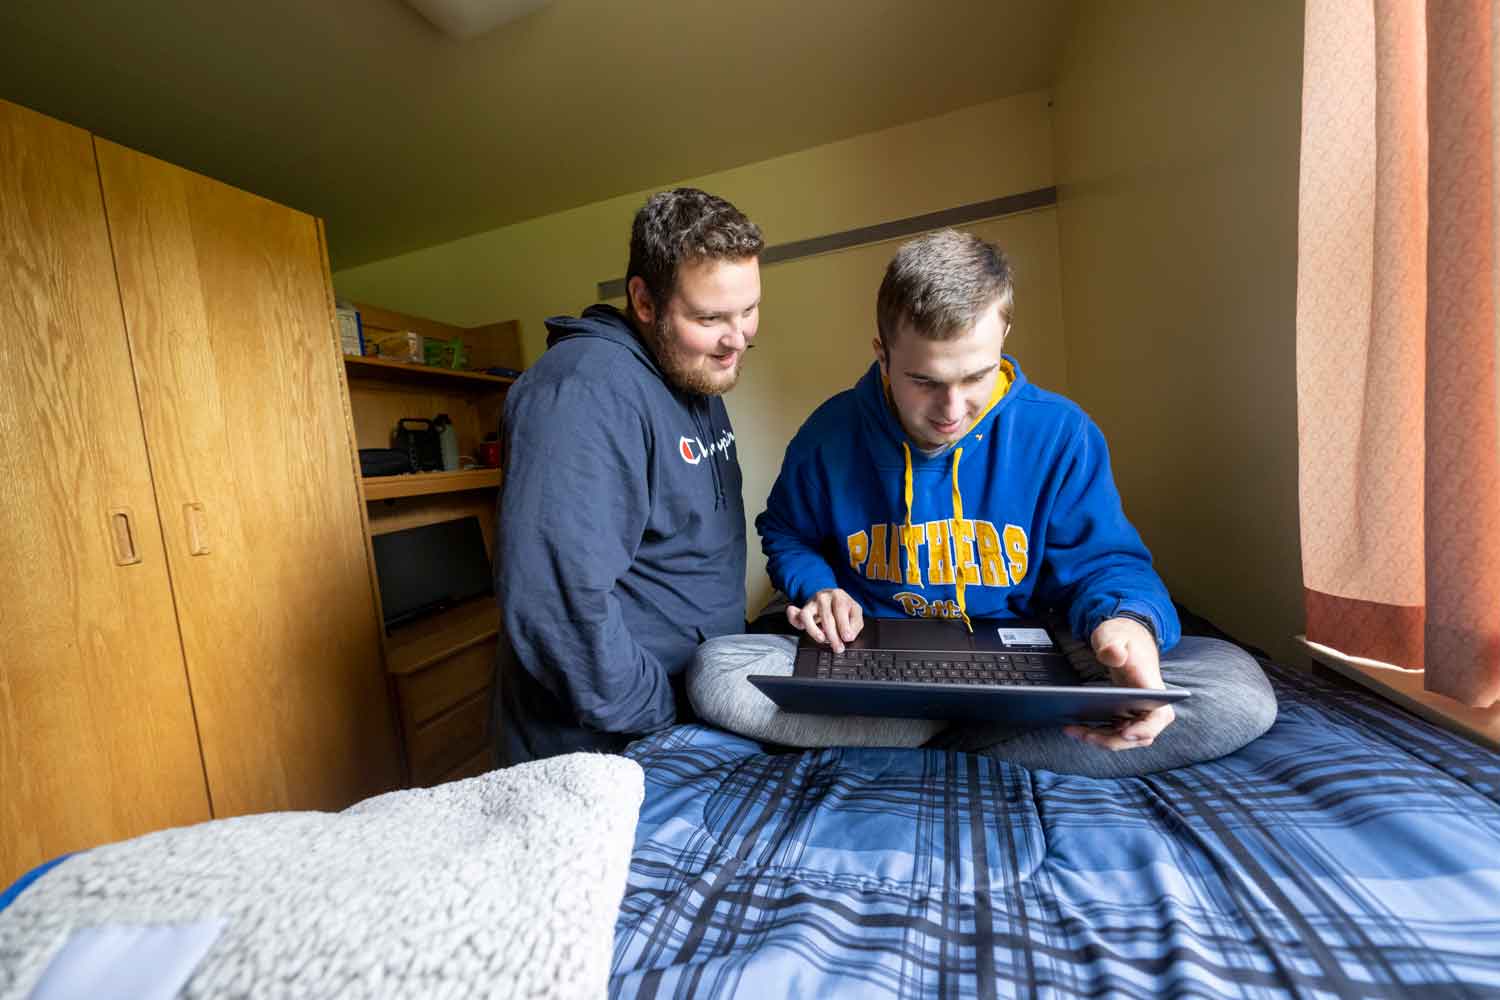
{"x": 859, "y": 548}
{"x": 911, "y": 542}
{"x": 962, "y": 533}
{"x": 937, "y": 553}
{"x": 992, "y": 572}
{"x": 879, "y": 567}
{"x": 1015, "y": 551}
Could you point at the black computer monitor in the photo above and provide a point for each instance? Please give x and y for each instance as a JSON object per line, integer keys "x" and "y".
{"x": 426, "y": 569}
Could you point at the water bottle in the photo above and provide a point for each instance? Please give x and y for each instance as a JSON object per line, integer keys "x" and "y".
{"x": 448, "y": 439}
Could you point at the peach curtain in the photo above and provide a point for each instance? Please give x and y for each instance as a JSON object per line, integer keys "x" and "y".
{"x": 1397, "y": 286}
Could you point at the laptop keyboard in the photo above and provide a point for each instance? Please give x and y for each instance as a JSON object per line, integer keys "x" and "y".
{"x": 1008, "y": 669}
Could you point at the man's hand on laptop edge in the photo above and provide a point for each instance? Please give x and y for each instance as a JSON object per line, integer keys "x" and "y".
{"x": 831, "y": 617}
{"x": 1128, "y": 649}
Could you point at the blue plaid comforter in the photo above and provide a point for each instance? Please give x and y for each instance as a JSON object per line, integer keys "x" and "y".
{"x": 1353, "y": 851}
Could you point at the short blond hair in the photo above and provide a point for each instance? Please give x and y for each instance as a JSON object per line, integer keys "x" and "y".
{"x": 941, "y": 284}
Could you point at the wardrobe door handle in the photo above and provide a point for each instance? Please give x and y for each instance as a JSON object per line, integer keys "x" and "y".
{"x": 197, "y": 528}
{"x": 122, "y": 535}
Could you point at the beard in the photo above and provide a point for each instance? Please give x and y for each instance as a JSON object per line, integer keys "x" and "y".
{"x": 685, "y": 370}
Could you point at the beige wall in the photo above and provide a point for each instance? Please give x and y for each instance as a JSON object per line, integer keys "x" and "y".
{"x": 1177, "y": 129}
{"x": 1171, "y": 259}
{"x": 818, "y": 314}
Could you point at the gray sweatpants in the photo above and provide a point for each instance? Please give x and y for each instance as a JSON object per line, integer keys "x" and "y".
{"x": 1232, "y": 704}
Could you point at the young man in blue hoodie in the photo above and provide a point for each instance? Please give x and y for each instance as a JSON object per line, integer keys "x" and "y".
{"x": 621, "y": 537}
{"x": 944, "y": 484}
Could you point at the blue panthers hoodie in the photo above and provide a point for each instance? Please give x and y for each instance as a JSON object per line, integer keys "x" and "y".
{"x": 1018, "y": 516}
{"x": 621, "y": 541}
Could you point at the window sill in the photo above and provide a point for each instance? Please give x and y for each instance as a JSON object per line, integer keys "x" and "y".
{"x": 1405, "y": 688}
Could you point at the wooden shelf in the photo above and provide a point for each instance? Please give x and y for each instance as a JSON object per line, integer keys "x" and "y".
{"x": 410, "y": 648}
{"x": 413, "y": 374}
{"x": 421, "y": 484}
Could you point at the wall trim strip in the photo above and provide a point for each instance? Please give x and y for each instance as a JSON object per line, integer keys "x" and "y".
{"x": 1012, "y": 204}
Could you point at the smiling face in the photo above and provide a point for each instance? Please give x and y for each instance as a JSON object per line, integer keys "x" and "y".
{"x": 700, "y": 337}
{"x": 940, "y": 387}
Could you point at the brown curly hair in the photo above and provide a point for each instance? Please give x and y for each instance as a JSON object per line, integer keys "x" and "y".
{"x": 686, "y": 224}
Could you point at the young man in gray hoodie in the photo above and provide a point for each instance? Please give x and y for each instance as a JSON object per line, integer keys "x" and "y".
{"x": 621, "y": 541}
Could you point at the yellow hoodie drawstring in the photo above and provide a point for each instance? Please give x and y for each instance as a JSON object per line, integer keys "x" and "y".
{"x": 958, "y": 516}
{"x": 1002, "y": 385}
{"x": 909, "y": 527}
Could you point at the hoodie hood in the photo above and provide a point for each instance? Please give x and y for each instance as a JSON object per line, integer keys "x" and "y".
{"x": 879, "y": 420}
{"x": 878, "y": 413}
{"x": 606, "y": 323}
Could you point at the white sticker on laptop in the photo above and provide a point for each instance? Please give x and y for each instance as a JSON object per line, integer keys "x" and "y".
{"x": 1025, "y": 637}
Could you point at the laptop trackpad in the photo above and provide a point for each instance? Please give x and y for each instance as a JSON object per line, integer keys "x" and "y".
{"x": 922, "y": 634}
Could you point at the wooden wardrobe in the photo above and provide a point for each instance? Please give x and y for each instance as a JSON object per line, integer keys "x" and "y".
{"x": 188, "y": 626}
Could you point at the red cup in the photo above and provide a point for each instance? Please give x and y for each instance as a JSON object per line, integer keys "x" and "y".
{"x": 489, "y": 454}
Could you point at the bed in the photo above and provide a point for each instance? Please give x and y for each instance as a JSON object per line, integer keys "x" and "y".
{"x": 1353, "y": 851}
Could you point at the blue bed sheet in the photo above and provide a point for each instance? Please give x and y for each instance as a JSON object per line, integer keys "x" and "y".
{"x": 16, "y": 888}
{"x": 1354, "y": 850}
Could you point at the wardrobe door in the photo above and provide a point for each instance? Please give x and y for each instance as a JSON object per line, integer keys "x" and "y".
{"x": 97, "y": 741}
{"x": 229, "y": 314}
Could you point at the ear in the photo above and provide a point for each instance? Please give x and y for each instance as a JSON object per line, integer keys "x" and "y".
{"x": 639, "y": 299}
{"x": 882, "y": 356}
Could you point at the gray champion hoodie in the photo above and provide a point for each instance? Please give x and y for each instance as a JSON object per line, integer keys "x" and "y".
{"x": 621, "y": 542}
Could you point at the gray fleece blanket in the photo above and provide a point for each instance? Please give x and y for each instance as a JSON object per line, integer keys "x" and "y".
{"x": 503, "y": 885}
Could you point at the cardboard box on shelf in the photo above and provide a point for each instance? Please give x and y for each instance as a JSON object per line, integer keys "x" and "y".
{"x": 351, "y": 333}
{"x": 402, "y": 345}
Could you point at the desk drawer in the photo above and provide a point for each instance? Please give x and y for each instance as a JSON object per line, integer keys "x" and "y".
{"x": 430, "y": 692}
{"x": 448, "y": 740}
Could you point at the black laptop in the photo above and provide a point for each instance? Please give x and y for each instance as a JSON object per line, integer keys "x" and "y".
{"x": 1008, "y": 670}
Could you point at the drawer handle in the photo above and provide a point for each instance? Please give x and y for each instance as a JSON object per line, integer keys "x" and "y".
{"x": 123, "y": 537}
{"x": 197, "y": 528}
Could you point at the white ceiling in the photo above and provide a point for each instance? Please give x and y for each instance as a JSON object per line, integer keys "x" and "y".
{"x": 360, "y": 112}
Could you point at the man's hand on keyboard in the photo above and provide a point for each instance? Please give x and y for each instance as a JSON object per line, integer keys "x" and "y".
{"x": 831, "y": 617}
{"x": 1128, "y": 649}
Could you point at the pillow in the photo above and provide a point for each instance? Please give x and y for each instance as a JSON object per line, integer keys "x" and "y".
{"x": 506, "y": 884}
